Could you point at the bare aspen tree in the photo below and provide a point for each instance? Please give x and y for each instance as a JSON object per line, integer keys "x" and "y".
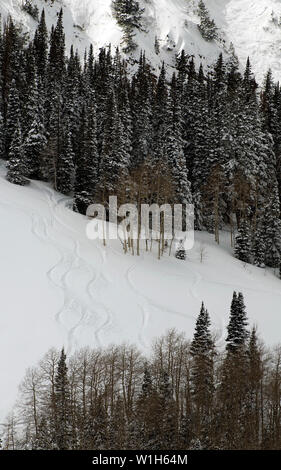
{"x": 31, "y": 390}
{"x": 213, "y": 200}
{"x": 202, "y": 252}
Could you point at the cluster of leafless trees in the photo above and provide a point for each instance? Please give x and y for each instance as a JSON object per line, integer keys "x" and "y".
{"x": 146, "y": 210}
{"x": 179, "y": 398}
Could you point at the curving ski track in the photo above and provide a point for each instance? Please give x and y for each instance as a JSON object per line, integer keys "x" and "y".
{"x": 90, "y": 311}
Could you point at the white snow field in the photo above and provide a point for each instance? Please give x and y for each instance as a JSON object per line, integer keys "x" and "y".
{"x": 253, "y": 27}
{"x": 58, "y": 288}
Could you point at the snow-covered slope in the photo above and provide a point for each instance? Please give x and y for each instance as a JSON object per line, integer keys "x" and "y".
{"x": 59, "y": 288}
{"x": 254, "y": 28}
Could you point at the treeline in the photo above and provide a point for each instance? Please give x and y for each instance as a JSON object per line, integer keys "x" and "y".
{"x": 185, "y": 395}
{"x": 207, "y": 137}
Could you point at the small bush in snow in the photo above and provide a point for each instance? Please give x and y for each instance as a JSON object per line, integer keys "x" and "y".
{"x": 181, "y": 252}
{"x": 32, "y": 10}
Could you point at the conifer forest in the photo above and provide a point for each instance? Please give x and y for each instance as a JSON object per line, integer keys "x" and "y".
{"x": 209, "y": 137}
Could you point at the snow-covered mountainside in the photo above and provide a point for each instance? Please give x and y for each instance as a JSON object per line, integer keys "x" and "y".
{"x": 254, "y": 28}
{"x": 59, "y": 288}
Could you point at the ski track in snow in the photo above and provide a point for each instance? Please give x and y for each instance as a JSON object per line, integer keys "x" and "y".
{"x": 85, "y": 311}
{"x": 75, "y": 261}
{"x": 149, "y": 300}
{"x": 71, "y": 260}
{"x": 142, "y": 304}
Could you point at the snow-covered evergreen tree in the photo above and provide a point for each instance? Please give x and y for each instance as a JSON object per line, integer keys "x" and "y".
{"x": 65, "y": 164}
{"x": 207, "y": 26}
{"x": 142, "y": 114}
{"x": 13, "y": 115}
{"x": 175, "y": 148}
{"x": 62, "y": 431}
{"x": 243, "y": 243}
{"x": 32, "y": 10}
{"x": 87, "y": 163}
{"x": 56, "y": 59}
{"x": 160, "y": 113}
{"x": 2, "y": 137}
{"x": 128, "y": 15}
{"x": 181, "y": 251}
{"x": 41, "y": 45}
{"x": 237, "y": 327}
{"x": 17, "y": 165}
{"x": 33, "y": 108}
{"x": 272, "y": 229}
{"x": 167, "y": 410}
{"x": 202, "y": 368}
{"x": 34, "y": 145}
{"x": 259, "y": 246}
{"x": 115, "y": 156}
